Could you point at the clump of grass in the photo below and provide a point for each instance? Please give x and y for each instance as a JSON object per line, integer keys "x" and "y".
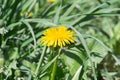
{"x": 89, "y": 57}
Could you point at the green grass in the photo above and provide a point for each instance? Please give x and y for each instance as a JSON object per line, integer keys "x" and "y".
{"x": 94, "y": 56}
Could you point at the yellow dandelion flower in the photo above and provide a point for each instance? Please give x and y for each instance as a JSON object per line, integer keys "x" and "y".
{"x": 30, "y": 14}
{"x": 52, "y": 1}
{"x": 59, "y": 36}
{"x": 25, "y": 13}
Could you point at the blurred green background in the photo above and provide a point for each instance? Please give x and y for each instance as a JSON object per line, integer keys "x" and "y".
{"x": 96, "y": 52}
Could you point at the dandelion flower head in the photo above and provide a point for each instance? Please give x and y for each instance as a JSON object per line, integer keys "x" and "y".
{"x": 52, "y": 1}
{"x": 58, "y": 37}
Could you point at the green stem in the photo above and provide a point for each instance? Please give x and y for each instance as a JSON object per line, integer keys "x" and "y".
{"x": 1, "y": 76}
{"x": 40, "y": 61}
{"x": 57, "y": 52}
{"x": 3, "y": 42}
{"x": 54, "y": 70}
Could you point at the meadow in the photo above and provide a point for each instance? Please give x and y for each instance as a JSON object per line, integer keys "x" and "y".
{"x": 59, "y": 40}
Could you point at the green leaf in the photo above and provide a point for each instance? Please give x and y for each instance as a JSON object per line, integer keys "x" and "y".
{"x": 14, "y": 53}
{"x": 70, "y": 62}
{"x": 77, "y": 74}
{"x": 44, "y": 68}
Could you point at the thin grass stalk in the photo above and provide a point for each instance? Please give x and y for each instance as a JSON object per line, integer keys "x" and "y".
{"x": 40, "y": 60}
{"x": 87, "y": 51}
